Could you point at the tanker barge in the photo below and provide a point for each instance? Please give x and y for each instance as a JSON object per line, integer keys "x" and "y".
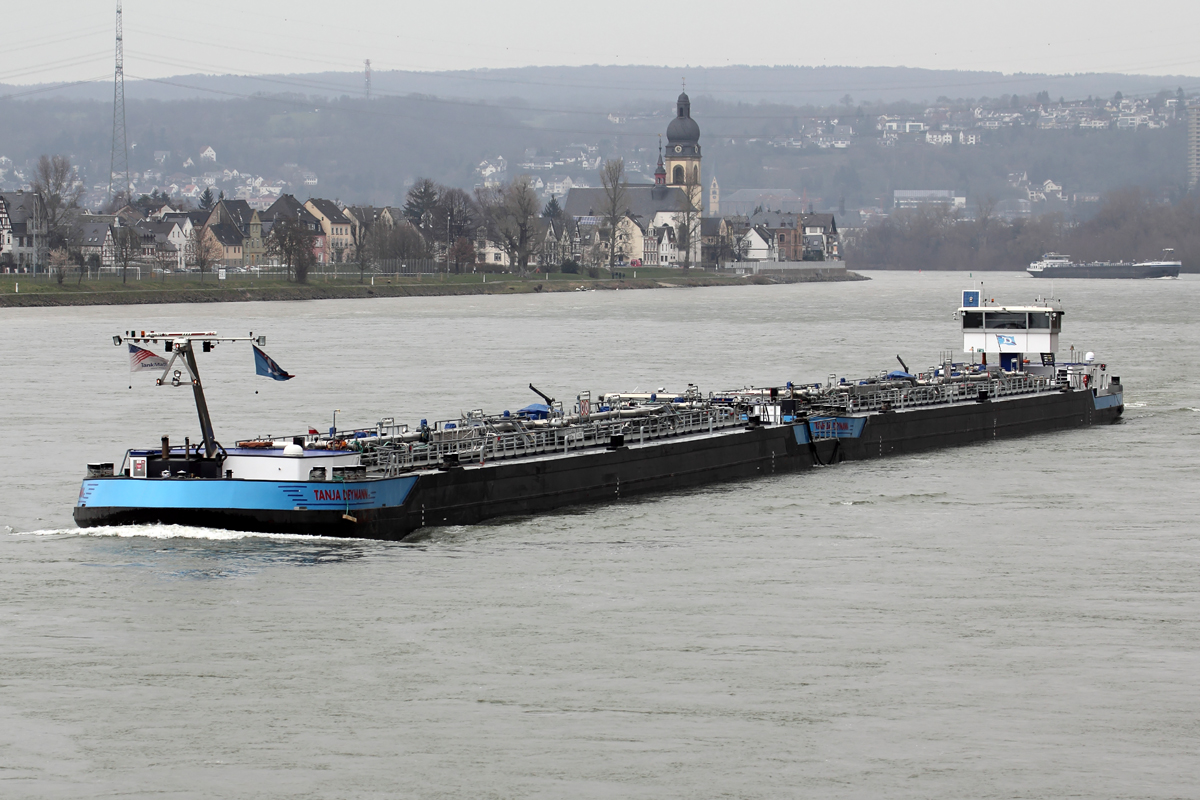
{"x": 1054, "y": 265}
{"x": 391, "y": 481}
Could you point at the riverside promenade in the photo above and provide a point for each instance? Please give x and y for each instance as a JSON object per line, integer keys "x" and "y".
{"x": 29, "y": 291}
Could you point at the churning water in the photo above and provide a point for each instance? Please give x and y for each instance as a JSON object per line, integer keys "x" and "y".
{"x": 1015, "y": 619}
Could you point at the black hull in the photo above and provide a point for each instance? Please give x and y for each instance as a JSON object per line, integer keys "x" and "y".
{"x": 1117, "y": 271}
{"x": 469, "y": 495}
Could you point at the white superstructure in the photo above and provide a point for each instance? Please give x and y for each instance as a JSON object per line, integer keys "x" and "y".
{"x": 1009, "y": 330}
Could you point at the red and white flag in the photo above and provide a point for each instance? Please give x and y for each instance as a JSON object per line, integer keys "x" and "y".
{"x": 142, "y": 359}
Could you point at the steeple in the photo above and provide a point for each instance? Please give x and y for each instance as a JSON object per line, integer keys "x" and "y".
{"x": 660, "y": 174}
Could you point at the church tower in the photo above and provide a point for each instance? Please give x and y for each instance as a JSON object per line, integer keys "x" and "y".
{"x": 683, "y": 151}
{"x": 714, "y": 198}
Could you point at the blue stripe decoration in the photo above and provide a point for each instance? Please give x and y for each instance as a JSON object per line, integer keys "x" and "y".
{"x": 122, "y": 492}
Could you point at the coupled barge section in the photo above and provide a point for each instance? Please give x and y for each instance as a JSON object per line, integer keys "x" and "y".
{"x": 391, "y": 481}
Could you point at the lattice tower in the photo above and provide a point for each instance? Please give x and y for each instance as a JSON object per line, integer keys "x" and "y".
{"x": 118, "y": 173}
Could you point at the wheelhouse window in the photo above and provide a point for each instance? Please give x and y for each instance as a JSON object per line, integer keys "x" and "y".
{"x": 972, "y": 320}
{"x": 1006, "y": 320}
{"x": 1040, "y": 320}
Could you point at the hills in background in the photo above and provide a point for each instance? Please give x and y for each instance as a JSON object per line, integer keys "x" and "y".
{"x": 289, "y": 129}
{"x": 597, "y": 87}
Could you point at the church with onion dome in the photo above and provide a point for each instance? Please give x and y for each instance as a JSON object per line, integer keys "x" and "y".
{"x": 653, "y": 210}
{"x": 682, "y": 166}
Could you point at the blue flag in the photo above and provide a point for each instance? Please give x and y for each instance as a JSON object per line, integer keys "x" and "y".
{"x": 265, "y": 365}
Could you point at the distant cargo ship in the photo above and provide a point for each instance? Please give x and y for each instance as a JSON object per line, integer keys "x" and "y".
{"x": 1055, "y": 265}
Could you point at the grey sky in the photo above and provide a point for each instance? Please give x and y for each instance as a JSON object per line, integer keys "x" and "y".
{"x": 71, "y": 40}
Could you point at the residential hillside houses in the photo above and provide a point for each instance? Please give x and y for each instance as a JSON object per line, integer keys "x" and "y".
{"x": 915, "y": 198}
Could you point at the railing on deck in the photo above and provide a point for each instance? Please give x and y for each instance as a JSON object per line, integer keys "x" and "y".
{"x": 481, "y": 442}
{"x": 939, "y": 394}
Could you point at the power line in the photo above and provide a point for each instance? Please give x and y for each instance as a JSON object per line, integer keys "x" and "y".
{"x": 51, "y": 88}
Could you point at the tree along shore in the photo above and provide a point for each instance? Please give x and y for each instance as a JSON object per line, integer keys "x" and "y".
{"x": 1130, "y": 226}
{"x": 45, "y": 293}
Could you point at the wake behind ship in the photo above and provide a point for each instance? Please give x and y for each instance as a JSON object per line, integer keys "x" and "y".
{"x": 391, "y": 481}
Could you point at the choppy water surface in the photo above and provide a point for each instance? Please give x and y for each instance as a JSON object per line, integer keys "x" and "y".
{"x": 1016, "y": 619}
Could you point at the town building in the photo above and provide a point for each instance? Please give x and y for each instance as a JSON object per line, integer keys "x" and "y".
{"x": 336, "y": 226}
{"x": 287, "y": 206}
{"x": 96, "y": 242}
{"x": 24, "y": 232}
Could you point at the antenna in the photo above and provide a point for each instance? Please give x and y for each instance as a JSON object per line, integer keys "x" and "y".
{"x": 181, "y": 346}
{"x": 367, "y": 77}
{"x": 119, "y": 165}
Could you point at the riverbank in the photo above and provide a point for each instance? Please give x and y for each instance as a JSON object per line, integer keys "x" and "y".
{"x": 17, "y": 293}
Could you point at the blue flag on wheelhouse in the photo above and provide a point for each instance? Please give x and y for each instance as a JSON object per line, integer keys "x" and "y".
{"x": 265, "y": 365}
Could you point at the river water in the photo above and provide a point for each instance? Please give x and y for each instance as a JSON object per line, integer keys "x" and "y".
{"x": 1015, "y": 619}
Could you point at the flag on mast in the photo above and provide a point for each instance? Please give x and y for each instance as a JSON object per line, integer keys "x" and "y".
{"x": 142, "y": 359}
{"x": 265, "y": 365}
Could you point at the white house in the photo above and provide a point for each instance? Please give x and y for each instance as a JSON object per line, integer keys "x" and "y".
{"x": 758, "y": 245}
{"x": 208, "y": 154}
{"x": 488, "y": 252}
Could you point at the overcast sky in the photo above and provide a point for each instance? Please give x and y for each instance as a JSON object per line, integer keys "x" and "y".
{"x": 72, "y": 40}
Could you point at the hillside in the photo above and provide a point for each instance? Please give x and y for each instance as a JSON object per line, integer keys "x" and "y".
{"x": 762, "y": 127}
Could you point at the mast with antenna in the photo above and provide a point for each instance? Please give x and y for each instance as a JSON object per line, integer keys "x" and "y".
{"x": 119, "y": 165}
{"x": 367, "y": 77}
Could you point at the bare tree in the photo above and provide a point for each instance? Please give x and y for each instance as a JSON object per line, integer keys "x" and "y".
{"x": 165, "y": 257}
{"x": 401, "y": 242}
{"x": 511, "y": 211}
{"x": 202, "y": 250}
{"x": 292, "y": 243}
{"x": 59, "y": 262}
{"x": 127, "y": 247}
{"x": 73, "y": 243}
{"x": 687, "y": 218}
{"x": 54, "y": 181}
{"x": 463, "y": 252}
{"x": 454, "y": 216}
{"x": 616, "y": 202}
{"x": 364, "y": 246}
